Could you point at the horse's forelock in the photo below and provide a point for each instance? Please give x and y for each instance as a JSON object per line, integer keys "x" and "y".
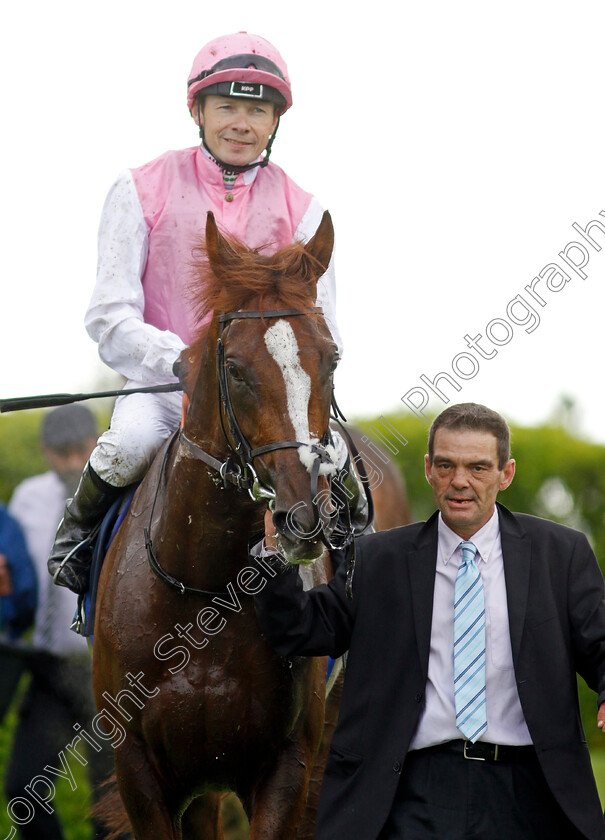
{"x": 247, "y": 278}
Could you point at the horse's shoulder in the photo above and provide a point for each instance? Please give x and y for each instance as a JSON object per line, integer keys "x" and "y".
{"x": 152, "y": 482}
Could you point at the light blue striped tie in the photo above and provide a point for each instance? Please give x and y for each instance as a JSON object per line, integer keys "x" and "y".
{"x": 469, "y": 647}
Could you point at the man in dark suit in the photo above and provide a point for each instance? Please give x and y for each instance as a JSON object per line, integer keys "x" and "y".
{"x": 426, "y": 747}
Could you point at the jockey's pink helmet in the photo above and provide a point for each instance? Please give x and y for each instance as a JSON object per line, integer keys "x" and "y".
{"x": 240, "y": 65}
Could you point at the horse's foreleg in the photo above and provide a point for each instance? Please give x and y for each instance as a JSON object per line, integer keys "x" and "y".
{"x": 277, "y": 803}
{"x": 142, "y": 794}
{"x": 202, "y": 819}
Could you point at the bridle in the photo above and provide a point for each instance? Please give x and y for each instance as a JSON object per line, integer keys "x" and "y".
{"x": 237, "y": 469}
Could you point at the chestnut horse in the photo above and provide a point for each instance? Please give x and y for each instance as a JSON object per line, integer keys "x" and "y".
{"x": 201, "y": 703}
{"x": 198, "y": 702}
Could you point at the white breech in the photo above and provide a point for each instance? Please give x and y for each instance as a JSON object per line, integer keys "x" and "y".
{"x": 139, "y": 426}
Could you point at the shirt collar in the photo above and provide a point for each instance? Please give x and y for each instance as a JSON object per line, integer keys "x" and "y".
{"x": 485, "y": 538}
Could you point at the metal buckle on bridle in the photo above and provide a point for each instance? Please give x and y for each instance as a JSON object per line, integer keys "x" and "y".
{"x": 319, "y": 448}
{"x": 259, "y": 490}
{"x": 231, "y": 472}
{"x": 223, "y": 472}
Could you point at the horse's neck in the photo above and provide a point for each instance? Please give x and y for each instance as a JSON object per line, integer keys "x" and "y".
{"x": 202, "y": 422}
{"x": 203, "y": 526}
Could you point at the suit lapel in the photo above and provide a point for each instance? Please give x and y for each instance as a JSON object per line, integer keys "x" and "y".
{"x": 422, "y": 560}
{"x": 516, "y": 551}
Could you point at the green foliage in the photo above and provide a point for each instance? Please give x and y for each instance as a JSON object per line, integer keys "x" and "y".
{"x": 20, "y": 454}
{"x": 598, "y": 766}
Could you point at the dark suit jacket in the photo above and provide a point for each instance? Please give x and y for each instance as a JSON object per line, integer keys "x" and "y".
{"x": 557, "y": 627}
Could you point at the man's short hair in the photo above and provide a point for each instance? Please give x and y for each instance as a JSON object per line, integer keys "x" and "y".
{"x": 67, "y": 426}
{"x": 476, "y": 418}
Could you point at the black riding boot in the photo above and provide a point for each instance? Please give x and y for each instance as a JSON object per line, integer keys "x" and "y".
{"x": 71, "y": 556}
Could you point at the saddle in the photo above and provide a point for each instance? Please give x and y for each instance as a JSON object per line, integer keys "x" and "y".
{"x": 84, "y": 618}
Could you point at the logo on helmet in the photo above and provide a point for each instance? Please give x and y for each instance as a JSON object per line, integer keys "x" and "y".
{"x": 246, "y": 89}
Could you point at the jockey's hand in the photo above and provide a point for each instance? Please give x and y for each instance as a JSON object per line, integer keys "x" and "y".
{"x": 179, "y": 372}
{"x": 601, "y": 717}
{"x": 6, "y": 584}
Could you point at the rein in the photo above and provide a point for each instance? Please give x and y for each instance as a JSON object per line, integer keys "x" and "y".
{"x": 155, "y": 564}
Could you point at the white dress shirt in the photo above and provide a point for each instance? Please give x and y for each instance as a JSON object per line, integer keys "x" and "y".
{"x": 505, "y": 721}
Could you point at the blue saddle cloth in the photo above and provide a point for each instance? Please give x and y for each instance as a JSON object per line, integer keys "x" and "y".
{"x": 84, "y": 622}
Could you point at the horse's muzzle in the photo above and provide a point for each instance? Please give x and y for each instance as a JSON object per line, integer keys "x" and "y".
{"x": 302, "y": 529}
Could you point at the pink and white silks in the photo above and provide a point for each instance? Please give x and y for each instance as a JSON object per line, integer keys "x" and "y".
{"x": 140, "y": 313}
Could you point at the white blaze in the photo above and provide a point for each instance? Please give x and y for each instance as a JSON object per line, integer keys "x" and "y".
{"x": 283, "y": 347}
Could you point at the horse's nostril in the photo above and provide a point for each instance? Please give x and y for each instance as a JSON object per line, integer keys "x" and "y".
{"x": 297, "y": 523}
{"x": 280, "y": 521}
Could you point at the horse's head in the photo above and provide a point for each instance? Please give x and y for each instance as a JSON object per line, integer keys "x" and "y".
{"x": 269, "y": 357}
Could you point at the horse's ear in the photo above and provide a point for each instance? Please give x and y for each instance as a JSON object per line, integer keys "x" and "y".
{"x": 219, "y": 251}
{"x": 322, "y": 244}
{"x": 212, "y": 238}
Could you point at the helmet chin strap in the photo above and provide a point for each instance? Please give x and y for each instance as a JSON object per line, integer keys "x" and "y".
{"x": 232, "y": 167}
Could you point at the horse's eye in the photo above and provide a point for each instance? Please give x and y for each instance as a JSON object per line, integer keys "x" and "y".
{"x": 334, "y": 364}
{"x": 234, "y": 372}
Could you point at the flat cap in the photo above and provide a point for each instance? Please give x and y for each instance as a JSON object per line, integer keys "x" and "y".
{"x": 68, "y": 424}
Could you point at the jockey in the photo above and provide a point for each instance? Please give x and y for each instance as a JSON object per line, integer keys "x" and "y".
{"x": 139, "y": 313}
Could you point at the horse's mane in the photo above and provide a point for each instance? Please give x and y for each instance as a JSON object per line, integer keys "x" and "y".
{"x": 247, "y": 278}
